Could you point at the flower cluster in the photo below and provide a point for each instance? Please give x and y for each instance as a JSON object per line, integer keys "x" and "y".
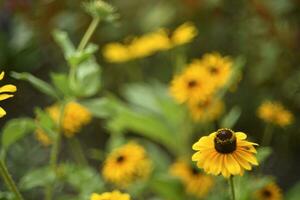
{"x": 199, "y": 82}
{"x": 114, "y": 195}
{"x": 5, "y": 93}
{"x": 275, "y": 113}
{"x": 126, "y": 165}
{"x": 195, "y": 182}
{"x": 148, "y": 44}
{"x": 225, "y": 152}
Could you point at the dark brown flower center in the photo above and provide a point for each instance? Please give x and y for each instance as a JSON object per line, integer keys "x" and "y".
{"x": 120, "y": 159}
{"x": 266, "y": 193}
{"x": 192, "y": 83}
{"x": 225, "y": 141}
{"x": 194, "y": 170}
{"x": 213, "y": 70}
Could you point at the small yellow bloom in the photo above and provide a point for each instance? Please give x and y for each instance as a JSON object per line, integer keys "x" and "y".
{"x": 116, "y": 52}
{"x": 269, "y": 192}
{"x": 126, "y": 165}
{"x": 5, "y": 93}
{"x": 225, "y": 152}
{"x": 275, "y": 113}
{"x": 75, "y": 116}
{"x": 42, "y": 137}
{"x": 114, "y": 195}
{"x": 184, "y": 33}
{"x": 207, "y": 110}
{"x": 195, "y": 182}
{"x": 194, "y": 84}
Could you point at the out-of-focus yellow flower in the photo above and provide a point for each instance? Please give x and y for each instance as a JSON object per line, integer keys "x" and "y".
{"x": 126, "y": 165}
{"x": 42, "y": 137}
{"x": 220, "y": 68}
{"x": 225, "y": 152}
{"x": 269, "y": 192}
{"x": 116, "y": 52}
{"x": 275, "y": 113}
{"x": 75, "y": 116}
{"x": 184, "y": 33}
{"x": 114, "y": 195}
{"x": 5, "y": 93}
{"x": 207, "y": 110}
{"x": 194, "y": 84}
{"x": 195, "y": 182}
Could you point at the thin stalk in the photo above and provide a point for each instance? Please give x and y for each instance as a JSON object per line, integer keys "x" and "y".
{"x": 9, "y": 181}
{"x": 231, "y": 183}
{"x": 54, "y": 153}
{"x": 77, "y": 151}
{"x": 88, "y": 34}
{"x": 267, "y": 136}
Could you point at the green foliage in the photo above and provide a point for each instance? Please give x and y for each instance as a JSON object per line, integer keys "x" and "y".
{"x": 293, "y": 193}
{"x": 263, "y": 153}
{"x": 231, "y": 118}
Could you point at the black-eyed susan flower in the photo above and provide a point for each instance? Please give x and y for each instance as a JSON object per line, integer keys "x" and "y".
{"x": 225, "y": 152}
{"x": 5, "y": 93}
{"x": 114, "y": 195}
{"x": 195, "y": 182}
{"x": 219, "y": 67}
{"x": 206, "y": 110}
{"x": 275, "y": 113}
{"x": 192, "y": 85}
{"x": 184, "y": 33}
{"x": 269, "y": 192}
{"x": 75, "y": 116}
{"x": 126, "y": 165}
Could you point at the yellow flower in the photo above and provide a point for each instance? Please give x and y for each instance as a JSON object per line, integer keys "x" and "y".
{"x": 114, "y": 195}
{"x": 275, "y": 113}
{"x": 220, "y": 68}
{"x": 75, "y": 116}
{"x": 184, "y": 33}
{"x": 269, "y": 192}
{"x": 5, "y": 93}
{"x": 116, "y": 52}
{"x": 127, "y": 164}
{"x": 192, "y": 85}
{"x": 207, "y": 110}
{"x": 42, "y": 137}
{"x": 225, "y": 152}
{"x": 195, "y": 182}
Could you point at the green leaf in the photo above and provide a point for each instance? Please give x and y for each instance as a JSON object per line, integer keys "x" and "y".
{"x": 80, "y": 56}
{"x": 15, "y": 130}
{"x": 63, "y": 40}
{"x": 37, "y": 178}
{"x": 99, "y": 107}
{"x": 231, "y": 118}
{"x": 86, "y": 80}
{"x": 293, "y": 193}
{"x": 61, "y": 83}
{"x": 263, "y": 153}
{"x": 39, "y": 84}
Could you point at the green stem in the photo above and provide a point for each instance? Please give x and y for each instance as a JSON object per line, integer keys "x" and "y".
{"x": 231, "y": 183}
{"x": 88, "y": 34}
{"x": 9, "y": 181}
{"x": 267, "y": 136}
{"x": 55, "y": 151}
{"x": 77, "y": 151}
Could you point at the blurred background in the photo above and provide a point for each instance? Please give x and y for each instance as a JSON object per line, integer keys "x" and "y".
{"x": 266, "y": 33}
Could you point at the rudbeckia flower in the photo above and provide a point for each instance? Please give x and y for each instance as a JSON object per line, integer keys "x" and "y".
{"x": 269, "y": 192}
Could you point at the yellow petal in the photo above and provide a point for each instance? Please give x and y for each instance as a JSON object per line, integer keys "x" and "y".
{"x": 225, "y": 172}
{"x": 196, "y": 156}
{"x": 5, "y": 96}
{"x": 1, "y": 75}
{"x": 203, "y": 142}
{"x": 2, "y": 112}
{"x": 247, "y": 156}
{"x": 208, "y": 163}
{"x": 242, "y": 162}
{"x": 240, "y": 135}
{"x": 8, "y": 88}
{"x": 216, "y": 167}
{"x": 232, "y": 165}
{"x": 95, "y": 196}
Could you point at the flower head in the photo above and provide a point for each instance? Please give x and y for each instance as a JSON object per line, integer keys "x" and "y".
{"x": 275, "y": 113}
{"x": 116, "y": 52}
{"x": 184, "y": 33}
{"x": 225, "y": 152}
{"x": 75, "y": 116}
{"x": 192, "y": 85}
{"x": 127, "y": 164}
{"x": 114, "y": 195}
{"x": 269, "y": 192}
{"x": 5, "y": 93}
{"x": 195, "y": 182}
